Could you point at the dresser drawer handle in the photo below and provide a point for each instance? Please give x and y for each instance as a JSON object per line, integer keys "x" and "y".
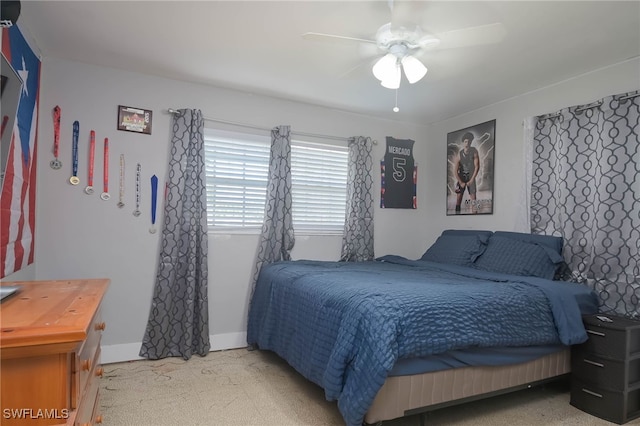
{"x": 86, "y": 365}
{"x": 597, "y": 333}
{"x": 591, "y": 393}
{"x": 99, "y": 372}
{"x": 99, "y": 419}
{"x": 597, "y": 364}
{"x": 100, "y": 326}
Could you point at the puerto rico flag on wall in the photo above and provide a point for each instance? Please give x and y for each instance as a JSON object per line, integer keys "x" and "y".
{"x": 18, "y": 197}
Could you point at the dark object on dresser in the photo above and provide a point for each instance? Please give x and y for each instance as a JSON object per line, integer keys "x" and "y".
{"x": 605, "y": 378}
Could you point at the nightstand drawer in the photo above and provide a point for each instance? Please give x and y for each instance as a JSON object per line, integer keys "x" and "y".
{"x": 618, "y": 338}
{"x": 608, "y": 374}
{"x": 617, "y": 407}
{"x": 606, "y": 342}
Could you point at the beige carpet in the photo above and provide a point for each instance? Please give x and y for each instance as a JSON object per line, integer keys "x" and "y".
{"x": 240, "y": 387}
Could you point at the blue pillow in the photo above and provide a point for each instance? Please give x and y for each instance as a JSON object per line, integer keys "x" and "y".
{"x": 460, "y": 250}
{"x": 550, "y": 241}
{"x": 484, "y": 235}
{"x": 517, "y": 257}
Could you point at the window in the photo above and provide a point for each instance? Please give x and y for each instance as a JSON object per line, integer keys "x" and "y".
{"x": 318, "y": 186}
{"x": 237, "y": 167}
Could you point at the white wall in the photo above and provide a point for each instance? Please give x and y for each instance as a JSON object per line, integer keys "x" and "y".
{"x": 509, "y": 115}
{"x": 81, "y": 236}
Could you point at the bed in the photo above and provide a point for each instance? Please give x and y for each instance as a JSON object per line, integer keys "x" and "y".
{"x": 478, "y": 314}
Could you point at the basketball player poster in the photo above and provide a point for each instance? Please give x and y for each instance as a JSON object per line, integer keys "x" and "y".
{"x": 398, "y": 173}
{"x": 470, "y": 169}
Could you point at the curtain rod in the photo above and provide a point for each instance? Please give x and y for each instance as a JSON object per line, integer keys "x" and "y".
{"x": 588, "y": 106}
{"x": 251, "y": 126}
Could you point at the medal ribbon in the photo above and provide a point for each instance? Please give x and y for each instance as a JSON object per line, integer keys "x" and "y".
{"x": 92, "y": 154}
{"x": 136, "y": 212}
{"x": 121, "y": 191}
{"x": 56, "y": 130}
{"x": 106, "y": 166}
{"x": 154, "y": 198}
{"x": 76, "y": 133}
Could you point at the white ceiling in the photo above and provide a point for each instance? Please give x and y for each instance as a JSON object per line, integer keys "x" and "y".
{"x": 258, "y": 47}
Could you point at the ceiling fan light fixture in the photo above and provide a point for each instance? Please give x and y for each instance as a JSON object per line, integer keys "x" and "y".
{"x": 392, "y": 79}
{"x": 385, "y": 67}
{"x": 414, "y": 70}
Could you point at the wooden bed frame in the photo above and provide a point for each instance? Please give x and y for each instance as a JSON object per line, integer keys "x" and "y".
{"x": 408, "y": 395}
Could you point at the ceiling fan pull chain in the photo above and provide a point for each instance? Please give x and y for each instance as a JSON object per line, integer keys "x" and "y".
{"x": 395, "y": 108}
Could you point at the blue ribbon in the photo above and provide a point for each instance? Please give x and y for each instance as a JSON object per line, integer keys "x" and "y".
{"x": 76, "y": 133}
{"x": 154, "y": 198}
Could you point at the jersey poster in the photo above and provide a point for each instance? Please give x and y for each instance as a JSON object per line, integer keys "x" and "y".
{"x": 398, "y": 173}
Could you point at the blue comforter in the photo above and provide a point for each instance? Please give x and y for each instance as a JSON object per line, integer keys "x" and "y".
{"x": 344, "y": 325}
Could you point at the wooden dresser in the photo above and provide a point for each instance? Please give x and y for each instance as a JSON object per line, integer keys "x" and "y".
{"x": 50, "y": 353}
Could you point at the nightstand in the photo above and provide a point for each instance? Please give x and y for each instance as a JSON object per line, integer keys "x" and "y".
{"x": 605, "y": 370}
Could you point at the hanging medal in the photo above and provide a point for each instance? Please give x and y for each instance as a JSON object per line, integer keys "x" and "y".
{"x": 74, "y": 152}
{"x": 105, "y": 172}
{"x": 136, "y": 212}
{"x": 55, "y": 163}
{"x": 121, "y": 187}
{"x": 92, "y": 155}
{"x": 154, "y": 200}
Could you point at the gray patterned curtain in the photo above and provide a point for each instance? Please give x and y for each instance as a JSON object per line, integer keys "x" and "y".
{"x": 586, "y": 187}
{"x": 179, "y": 318}
{"x": 277, "y": 238}
{"x": 357, "y": 240}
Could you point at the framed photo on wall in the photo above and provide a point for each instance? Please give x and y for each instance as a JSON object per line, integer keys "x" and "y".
{"x": 470, "y": 169}
{"x": 136, "y": 120}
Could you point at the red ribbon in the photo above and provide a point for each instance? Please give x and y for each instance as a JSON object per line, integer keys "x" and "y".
{"x": 56, "y": 130}
{"x": 106, "y": 165}
{"x": 92, "y": 154}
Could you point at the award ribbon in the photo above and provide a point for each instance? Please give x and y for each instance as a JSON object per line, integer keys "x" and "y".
{"x": 74, "y": 152}
{"x": 105, "y": 172}
{"x": 92, "y": 155}
{"x": 121, "y": 188}
{"x": 154, "y": 201}
{"x": 55, "y": 163}
{"x": 136, "y": 212}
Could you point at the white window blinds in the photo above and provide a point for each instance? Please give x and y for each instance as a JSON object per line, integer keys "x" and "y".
{"x": 319, "y": 186}
{"x": 237, "y": 166}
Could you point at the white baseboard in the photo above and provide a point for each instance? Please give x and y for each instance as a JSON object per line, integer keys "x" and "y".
{"x": 129, "y": 351}
{"x": 120, "y": 353}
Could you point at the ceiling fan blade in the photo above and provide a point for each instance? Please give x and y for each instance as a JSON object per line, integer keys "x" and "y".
{"x": 363, "y": 67}
{"x": 334, "y": 38}
{"x": 472, "y": 36}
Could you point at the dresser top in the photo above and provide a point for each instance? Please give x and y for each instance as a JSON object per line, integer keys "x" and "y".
{"x": 49, "y": 312}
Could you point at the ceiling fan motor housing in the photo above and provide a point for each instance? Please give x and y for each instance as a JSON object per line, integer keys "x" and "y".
{"x": 386, "y": 37}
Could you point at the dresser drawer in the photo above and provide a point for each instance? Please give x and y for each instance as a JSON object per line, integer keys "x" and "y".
{"x": 617, "y": 407}
{"x": 86, "y": 408}
{"x": 617, "y": 337}
{"x": 607, "y": 373}
{"x": 87, "y": 357}
{"x": 605, "y": 342}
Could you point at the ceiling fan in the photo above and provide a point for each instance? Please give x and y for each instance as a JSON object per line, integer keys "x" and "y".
{"x": 402, "y": 45}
